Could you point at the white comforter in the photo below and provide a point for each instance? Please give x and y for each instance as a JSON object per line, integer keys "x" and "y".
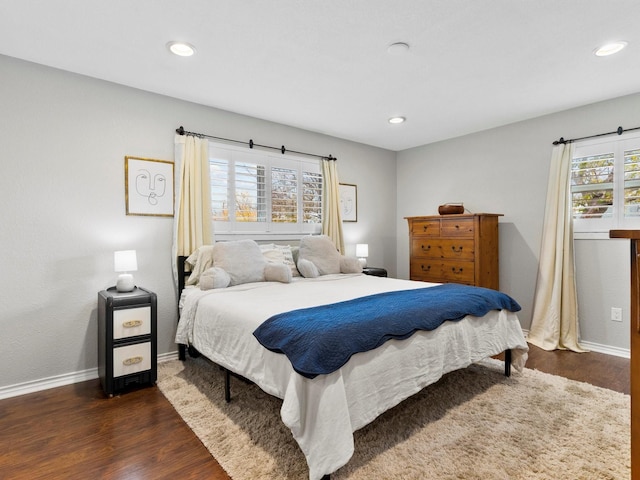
{"x": 323, "y": 412}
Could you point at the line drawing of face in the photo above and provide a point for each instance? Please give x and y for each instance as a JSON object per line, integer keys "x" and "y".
{"x": 150, "y": 186}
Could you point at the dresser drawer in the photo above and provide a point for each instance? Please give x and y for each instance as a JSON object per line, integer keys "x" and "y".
{"x": 426, "y": 227}
{"x": 131, "y": 322}
{"x": 454, "y": 227}
{"x": 131, "y": 359}
{"x": 439, "y": 270}
{"x": 452, "y": 248}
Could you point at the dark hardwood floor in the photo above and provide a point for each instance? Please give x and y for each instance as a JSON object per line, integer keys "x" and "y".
{"x": 74, "y": 432}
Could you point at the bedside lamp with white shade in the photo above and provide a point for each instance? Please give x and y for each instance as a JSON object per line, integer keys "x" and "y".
{"x": 125, "y": 261}
{"x": 362, "y": 252}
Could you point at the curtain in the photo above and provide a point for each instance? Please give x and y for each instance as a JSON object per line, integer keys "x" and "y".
{"x": 555, "y": 310}
{"x": 192, "y": 221}
{"x": 331, "y": 217}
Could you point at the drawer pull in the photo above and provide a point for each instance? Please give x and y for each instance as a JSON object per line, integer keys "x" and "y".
{"x": 425, "y": 269}
{"x": 424, "y": 229}
{"x": 453, "y": 269}
{"x": 132, "y": 323}
{"x": 132, "y": 360}
{"x": 456, "y": 250}
{"x": 428, "y": 247}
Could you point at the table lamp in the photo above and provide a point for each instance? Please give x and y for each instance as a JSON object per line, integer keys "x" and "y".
{"x": 125, "y": 261}
{"x": 362, "y": 252}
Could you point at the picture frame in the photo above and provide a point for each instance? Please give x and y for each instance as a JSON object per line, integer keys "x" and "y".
{"x": 348, "y": 202}
{"x": 149, "y": 187}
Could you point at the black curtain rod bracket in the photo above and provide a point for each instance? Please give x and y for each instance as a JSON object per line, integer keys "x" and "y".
{"x": 618, "y": 131}
{"x": 181, "y": 131}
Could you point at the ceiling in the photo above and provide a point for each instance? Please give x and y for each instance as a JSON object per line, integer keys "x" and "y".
{"x": 324, "y": 65}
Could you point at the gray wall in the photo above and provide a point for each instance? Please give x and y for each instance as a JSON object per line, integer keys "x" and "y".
{"x": 64, "y": 139}
{"x": 505, "y": 170}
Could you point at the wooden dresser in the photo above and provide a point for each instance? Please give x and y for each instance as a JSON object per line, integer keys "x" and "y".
{"x": 455, "y": 248}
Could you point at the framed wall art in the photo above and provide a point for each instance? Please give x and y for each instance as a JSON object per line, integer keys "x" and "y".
{"x": 349, "y": 202}
{"x": 148, "y": 187}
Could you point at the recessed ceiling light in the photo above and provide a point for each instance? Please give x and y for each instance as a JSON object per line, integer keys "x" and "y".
{"x": 181, "y": 48}
{"x": 396, "y": 120}
{"x": 398, "y": 48}
{"x": 609, "y": 49}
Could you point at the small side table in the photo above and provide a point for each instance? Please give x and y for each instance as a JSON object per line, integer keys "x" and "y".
{"x": 375, "y": 271}
{"x": 127, "y": 346}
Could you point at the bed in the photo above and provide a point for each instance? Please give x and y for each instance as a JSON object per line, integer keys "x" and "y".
{"x": 323, "y": 410}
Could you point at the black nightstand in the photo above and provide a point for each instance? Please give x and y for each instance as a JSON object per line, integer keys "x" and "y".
{"x": 127, "y": 333}
{"x": 375, "y": 271}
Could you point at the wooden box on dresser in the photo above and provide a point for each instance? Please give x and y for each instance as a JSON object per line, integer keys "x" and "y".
{"x": 127, "y": 339}
{"x": 455, "y": 248}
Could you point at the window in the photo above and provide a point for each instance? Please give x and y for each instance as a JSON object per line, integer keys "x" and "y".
{"x": 256, "y": 192}
{"x": 605, "y": 183}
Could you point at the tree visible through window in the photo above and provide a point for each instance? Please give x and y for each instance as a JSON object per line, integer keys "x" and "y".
{"x": 605, "y": 183}
{"x": 257, "y": 192}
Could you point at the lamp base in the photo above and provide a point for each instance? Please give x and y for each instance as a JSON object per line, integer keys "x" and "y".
{"x": 363, "y": 261}
{"x": 125, "y": 283}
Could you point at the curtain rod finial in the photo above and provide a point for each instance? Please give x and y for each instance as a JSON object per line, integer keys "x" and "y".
{"x": 180, "y": 131}
{"x": 620, "y": 130}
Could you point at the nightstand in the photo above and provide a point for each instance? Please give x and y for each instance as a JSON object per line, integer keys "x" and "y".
{"x": 375, "y": 271}
{"x": 127, "y": 333}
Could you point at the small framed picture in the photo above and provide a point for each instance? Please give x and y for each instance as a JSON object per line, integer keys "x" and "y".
{"x": 349, "y": 202}
{"x": 148, "y": 187}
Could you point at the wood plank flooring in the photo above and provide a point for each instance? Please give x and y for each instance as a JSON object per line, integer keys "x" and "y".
{"x": 74, "y": 432}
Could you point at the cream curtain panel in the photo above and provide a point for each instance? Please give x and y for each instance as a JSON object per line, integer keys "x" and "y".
{"x": 555, "y": 311}
{"x": 331, "y": 217}
{"x": 192, "y": 222}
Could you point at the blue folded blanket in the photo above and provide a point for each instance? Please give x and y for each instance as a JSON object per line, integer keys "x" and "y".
{"x": 320, "y": 340}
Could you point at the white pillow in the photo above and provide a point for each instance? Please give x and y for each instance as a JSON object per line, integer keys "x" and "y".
{"x": 350, "y": 265}
{"x": 277, "y": 272}
{"x": 280, "y": 254}
{"x": 322, "y": 252}
{"x": 200, "y": 260}
{"x": 214, "y": 277}
{"x": 307, "y": 268}
{"x": 241, "y": 259}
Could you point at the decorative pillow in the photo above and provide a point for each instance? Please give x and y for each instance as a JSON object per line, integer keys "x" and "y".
{"x": 241, "y": 259}
{"x": 320, "y": 250}
{"x": 277, "y": 272}
{"x": 214, "y": 277}
{"x": 271, "y": 253}
{"x": 200, "y": 260}
{"x": 350, "y": 265}
{"x": 307, "y": 268}
{"x": 280, "y": 254}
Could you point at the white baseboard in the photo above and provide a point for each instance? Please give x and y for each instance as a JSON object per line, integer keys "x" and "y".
{"x": 599, "y": 348}
{"x": 62, "y": 380}
{"x": 606, "y": 349}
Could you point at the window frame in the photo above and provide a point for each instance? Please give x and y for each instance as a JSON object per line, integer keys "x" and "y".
{"x": 267, "y": 229}
{"x": 599, "y": 227}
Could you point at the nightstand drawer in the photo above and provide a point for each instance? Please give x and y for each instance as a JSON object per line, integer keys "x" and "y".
{"x": 131, "y": 359}
{"x": 131, "y": 322}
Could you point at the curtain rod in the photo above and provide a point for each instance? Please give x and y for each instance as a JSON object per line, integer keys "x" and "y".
{"x": 619, "y": 131}
{"x": 251, "y": 143}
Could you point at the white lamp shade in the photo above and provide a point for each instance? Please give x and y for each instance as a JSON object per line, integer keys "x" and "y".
{"x": 362, "y": 250}
{"x": 125, "y": 261}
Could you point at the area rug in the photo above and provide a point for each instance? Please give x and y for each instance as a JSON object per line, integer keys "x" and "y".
{"x": 472, "y": 424}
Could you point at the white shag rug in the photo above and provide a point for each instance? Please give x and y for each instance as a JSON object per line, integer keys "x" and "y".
{"x": 472, "y": 424}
